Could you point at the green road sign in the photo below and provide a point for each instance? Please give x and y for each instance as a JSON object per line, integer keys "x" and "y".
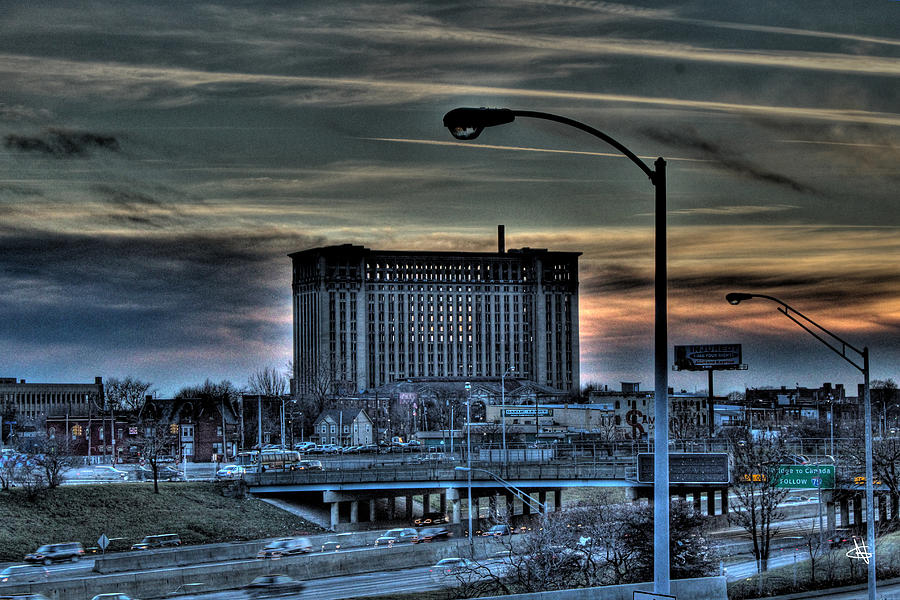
{"x": 805, "y": 477}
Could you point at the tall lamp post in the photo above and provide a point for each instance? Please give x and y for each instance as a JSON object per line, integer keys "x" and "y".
{"x": 860, "y": 360}
{"x": 467, "y": 124}
{"x": 503, "y": 409}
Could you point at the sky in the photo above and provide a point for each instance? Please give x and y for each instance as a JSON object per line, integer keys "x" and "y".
{"x": 160, "y": 160}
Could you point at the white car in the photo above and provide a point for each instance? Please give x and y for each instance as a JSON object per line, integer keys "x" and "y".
{"x": 453, "y": 567}
{"x": 99, "y": 472}
{"x": 112, "y": 597}
{"x": 231, "y": 472}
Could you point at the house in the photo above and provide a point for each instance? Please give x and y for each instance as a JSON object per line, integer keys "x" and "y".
{"x": 344, "y": 427}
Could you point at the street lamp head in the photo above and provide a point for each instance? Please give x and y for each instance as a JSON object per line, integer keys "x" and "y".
{"x": 462, "y": 468}
{"x": 736, "y": 297}
{"x": 468, "y": 123}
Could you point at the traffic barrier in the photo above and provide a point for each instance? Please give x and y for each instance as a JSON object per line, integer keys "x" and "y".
{"x": 156, "y": 583}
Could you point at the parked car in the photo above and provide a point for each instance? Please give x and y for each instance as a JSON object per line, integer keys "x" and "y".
{"x": 231, "y": 472}
{"x": 330, "y": 449}
{"x": 498, "y": 530}
{"x": 396, "y": 536}
{"x": 432, "y": 518}
{"x": 304, "y": 446}
{"x": 24, "y": 574}
{"x": 430, "y": 534}
{"x": 162, "y": 540}
{"x": 113, "y": 596}
{"x": 285, "y": 547}
{"x": 98, "y": 473}
{"x": 51, "y": 553}
{"x": 163, "y": 473}
{"x": 23, "y": 597}
{"x": 266, "y": 586}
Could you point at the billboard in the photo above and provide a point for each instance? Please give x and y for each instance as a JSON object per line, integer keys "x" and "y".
{"x": 704, "y": 467}
{"x": 708, "y": 357}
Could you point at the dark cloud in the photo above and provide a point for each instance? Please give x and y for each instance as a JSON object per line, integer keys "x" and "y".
{"x": 62, "y": 144}
{"x": 725, "y": 158}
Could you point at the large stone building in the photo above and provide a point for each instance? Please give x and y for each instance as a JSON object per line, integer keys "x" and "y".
{"x": 364, "y": 318}
{"x": 43, "y": 400}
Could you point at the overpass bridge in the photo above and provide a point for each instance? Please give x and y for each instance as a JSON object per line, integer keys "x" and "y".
{"x": 356, "y": 495}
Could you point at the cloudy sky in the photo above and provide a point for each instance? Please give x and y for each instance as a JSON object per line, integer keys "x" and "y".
{"x": 159, "y": 160}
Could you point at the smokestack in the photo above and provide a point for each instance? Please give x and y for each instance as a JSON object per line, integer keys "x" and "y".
{"x": 501, "y": 238}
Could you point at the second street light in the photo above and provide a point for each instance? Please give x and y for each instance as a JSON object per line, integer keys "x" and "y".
{"x": 467, "y": 124}
{"x": 860, "y": 360}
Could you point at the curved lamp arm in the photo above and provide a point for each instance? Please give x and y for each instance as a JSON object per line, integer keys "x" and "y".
{"x": 830, "y": 339}
{"x": 468, "y": 123}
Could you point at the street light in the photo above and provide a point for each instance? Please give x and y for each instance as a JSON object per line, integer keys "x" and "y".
{"x": 467, "y": 124}
{"x": 518, "y": 492}
{"x": 840, "y": 347}
{"x": 503, "y": 408}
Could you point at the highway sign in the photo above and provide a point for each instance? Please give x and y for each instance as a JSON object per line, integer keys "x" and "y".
{"x": 103, "y": 542}
{"x": 688, "y": 467}
{"x": 805, "y": 477}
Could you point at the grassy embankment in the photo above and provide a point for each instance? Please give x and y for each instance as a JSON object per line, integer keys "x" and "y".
{"x": 198, "y": 512}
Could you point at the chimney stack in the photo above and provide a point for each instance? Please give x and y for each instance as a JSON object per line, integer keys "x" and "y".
{"x": 501, "y": 238}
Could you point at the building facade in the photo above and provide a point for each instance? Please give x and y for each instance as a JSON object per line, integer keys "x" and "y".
{"x": 365, "y": 318}
{"x": 43, "y": 400}
{"x": 344, "y": 427}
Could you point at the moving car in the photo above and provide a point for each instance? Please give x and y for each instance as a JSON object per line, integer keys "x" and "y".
{"x": 432, "y": 518}
{"x": 23, "y": 597}
{"x": 157, "y": 541}
{"x": 396, "y": 536}
{"x": 285, "y": 547}
{"x": 498, "y": 530}
{"x": 266, "y": 586}
{"x": 430, "y": 534}
{"x": 113, "y": 596}
{"x": 231, "y": 472}
{"x": 51, "y": 553}
{"x": 24, "y": 574}
{"x": 331, "y": 546}
{"x": 452, "y": 567}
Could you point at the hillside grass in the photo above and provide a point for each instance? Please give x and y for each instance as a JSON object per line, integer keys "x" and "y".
{"x": 198, "y": 512}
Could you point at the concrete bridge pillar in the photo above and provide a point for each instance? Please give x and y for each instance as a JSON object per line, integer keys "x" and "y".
{"x": 881, "y": 509}
{"x": 442, "y": 498}
{"x": 426, "y": 503}
{"x": 354, "y": 511}
{"x": 557, "y": 499}
{"x": 335, "y": 515}
{"x": 711, "y": 502}
{"x": 526, "y": 507}
{"x": 409, "y": 507}
{"x": 857, "y": 510}
{"x": 453, "y": 497}
{"x": 845, "y": 512}
{"x": 542, "y": 497}
{"x": 724, "y": 492}
{"x": 695, "y": 497}
{"x": 392, "y": 507}
{"x": 510, "y": 506}
{"x": 372, "y": 510}
{"x": 895, "y": 505}
{"x": 492, "y": 506}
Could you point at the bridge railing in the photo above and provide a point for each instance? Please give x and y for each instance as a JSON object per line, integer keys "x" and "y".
{"x": 446, "y": 472}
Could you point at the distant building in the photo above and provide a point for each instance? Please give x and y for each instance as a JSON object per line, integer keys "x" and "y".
{"x": 43, "y": 400}
{"x": 344, "y": 427}
{"x": 365, "y": 318}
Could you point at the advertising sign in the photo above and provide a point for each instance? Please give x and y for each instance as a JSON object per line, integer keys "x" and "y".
{"x": 805, "y": 477}
{"x": 528, "y": 412}
{"x": 684, "y": 467}
{"x": 708, "y": 357}
{"x": 407, "y": 397}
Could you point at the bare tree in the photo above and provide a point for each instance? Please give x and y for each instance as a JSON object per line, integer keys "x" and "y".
{"x": 267, "y": 382}
{"x": 125, "y": 394}
{"x": 757, "y": 490}
{"x": 156, "y": 442}
{"x": 51, "y": 455}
